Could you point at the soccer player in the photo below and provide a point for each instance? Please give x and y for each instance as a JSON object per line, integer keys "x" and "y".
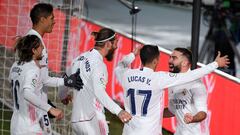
{"x": 143, "y": 89}
{"x": 42, "y": 18}
{"x": 24, "y": 77}
{"x": 95, "y": 77}
{"x": 190, "y": 105}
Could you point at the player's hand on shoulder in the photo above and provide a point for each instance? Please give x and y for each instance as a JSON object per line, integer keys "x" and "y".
{"x": 56, "y": 112}
{"x": 222, "y": 61}
{"x": 124, "y": 116}
{"x": 67, "y": 100}
{"x": 74, "y": 80}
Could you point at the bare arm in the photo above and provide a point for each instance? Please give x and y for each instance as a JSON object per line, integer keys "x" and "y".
{"x": 200, "y": 116}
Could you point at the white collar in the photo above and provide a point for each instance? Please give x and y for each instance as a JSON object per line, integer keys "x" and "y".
{"x": 97, "y": 54}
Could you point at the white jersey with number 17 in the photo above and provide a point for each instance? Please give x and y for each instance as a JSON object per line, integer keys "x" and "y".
{"x": 143, "y": 92}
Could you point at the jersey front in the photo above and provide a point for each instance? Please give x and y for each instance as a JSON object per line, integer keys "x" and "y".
{"x": 191, "y": 99}
{"x": 25, "y": 117}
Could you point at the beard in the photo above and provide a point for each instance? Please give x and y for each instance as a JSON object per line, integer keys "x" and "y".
{"x": 173, "y": 68}
{"x": 110, "y": 55}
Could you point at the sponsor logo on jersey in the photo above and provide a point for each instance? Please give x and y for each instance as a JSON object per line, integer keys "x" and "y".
{"x": 184, "y": 92}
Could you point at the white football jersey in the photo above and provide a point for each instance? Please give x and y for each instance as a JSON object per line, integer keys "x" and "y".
{"x": 26, "y": 116}
{"x": 192, "y": 99}
{"x": 94, "y": 74}
{"x": 143, "y": 90}
{"x": 46, "y": 80}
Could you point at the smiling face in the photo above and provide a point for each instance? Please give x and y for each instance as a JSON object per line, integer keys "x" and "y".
{"x": 175, "y": 62}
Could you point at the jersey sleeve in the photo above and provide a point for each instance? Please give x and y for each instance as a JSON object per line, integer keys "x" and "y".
{"x": 99, "y": 81}
{"x": 167, "y": 79}
{"x": 199, "y": 96}
{"x": 123, "y": 66}
{"x": 50, "y": 81}
{"x": 29, "y": 86}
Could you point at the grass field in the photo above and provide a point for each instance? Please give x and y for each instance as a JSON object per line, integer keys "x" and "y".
{"x": 5, "y": 117}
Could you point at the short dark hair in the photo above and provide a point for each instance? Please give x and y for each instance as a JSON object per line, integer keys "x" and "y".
{"x": 148, "y": 53}
{"x": 24, "y": 46}
{"x": 40, "y": 10}
{"x": 103, "y": 35}
{"x": 185, "y": 52}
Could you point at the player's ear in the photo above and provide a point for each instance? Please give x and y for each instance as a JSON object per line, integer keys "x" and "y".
{"x": 34, "y": 50}
{"x": 108, "y": 45}
{"x": 155, "y": 61}
{"x": 42, "y": 19}
{"x": 184, "y": 63}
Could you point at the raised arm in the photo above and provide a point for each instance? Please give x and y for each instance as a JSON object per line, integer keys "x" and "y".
{"x": 123, "y": 66}
{"x": 125, "y": 62}
{"x": 172, "y": 79}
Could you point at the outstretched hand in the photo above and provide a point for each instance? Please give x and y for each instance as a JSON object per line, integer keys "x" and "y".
{"x": 222, "y": 61}
{"x": 74, "y": 80}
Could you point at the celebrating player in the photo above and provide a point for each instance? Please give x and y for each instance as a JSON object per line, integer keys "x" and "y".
{"x": 43, "y": 21}
{"x": 24, "y": 77}
{"x": 143, "y": 88}
{"x": 190, "y": 105}
{"x": 95, "y": 77}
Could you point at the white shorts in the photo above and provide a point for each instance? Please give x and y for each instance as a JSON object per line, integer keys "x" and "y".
{"x": 103, "y": 126}
{"x": 23, "y": 126}
{"x": 90, "y": 127}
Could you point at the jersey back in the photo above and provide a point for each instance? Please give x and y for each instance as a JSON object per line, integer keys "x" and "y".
{"x": 25, "y": 115}
{"x": 142, "y": 98}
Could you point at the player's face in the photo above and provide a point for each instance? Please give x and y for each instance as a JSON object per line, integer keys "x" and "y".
{"x": 110, "y": 54}
{"x": 175, "y": 62}
{"x": 49, "y": 23}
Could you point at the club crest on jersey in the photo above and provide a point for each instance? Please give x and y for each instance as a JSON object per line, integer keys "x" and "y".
{"x": 184, "y": 92}
{"x": 172, "y": 74}
{"x": 34, "y": 81}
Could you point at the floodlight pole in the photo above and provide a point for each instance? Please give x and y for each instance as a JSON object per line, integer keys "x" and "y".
{"x": 196, "y": 17}
{"x": 133, "y": 12}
